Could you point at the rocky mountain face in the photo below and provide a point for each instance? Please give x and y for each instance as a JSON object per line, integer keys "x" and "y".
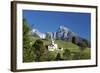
{"x": 63, "y": 33}
{"x": 38, "y": 33}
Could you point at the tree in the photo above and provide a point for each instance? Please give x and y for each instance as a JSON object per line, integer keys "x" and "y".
{"x": 74, "y": 39}
{"x": 86, "y": 54}
{"x": 26, "y": 42}
{"x": 26, "y": 27}
{"x": 40, "y": 50}
{"x": 58, "y": 57}
{"x": 76, "y": 56}
{"x": 28, "y": 53}
{"x": 82, "y": 45}
{"x": 86, "y": 42}
{"x": 52, "y": 55}
{"x": 67, "y": 54}
{"x": 26, "y": 39}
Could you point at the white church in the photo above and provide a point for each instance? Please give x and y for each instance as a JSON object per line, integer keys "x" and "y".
{"x": 54, "y": 46}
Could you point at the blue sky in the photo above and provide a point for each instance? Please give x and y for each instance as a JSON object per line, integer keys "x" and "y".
{"x": 49, "y": 21}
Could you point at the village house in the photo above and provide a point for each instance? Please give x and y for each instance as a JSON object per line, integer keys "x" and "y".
{"x": 54, "y": 46}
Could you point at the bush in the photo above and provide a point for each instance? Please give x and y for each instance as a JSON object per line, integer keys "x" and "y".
{"x": 51, "y": 56}
{"x": 29, "y": 55}
{"x": 67, "y": 54}
{"x": 74, "y": 40}
{"x": 26, "y": 27}
{"x": 40, "y": 50}
{"x": 58, "y": 57}
{"x": 86, "y": 42}
{"x": 82, "y": 45}
{"x": 86, "y": 54}
{"x": 76, "y": 56}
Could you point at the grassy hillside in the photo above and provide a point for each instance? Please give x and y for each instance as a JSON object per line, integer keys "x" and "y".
{"x": 76, "y": 52}
{"x": 74, "y": 49}
{"x": 70, "y": 51}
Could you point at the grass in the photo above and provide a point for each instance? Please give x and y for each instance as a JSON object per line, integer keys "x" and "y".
{"x": 86, "y": 54}
{"x": 76, "y": 52}
{"x": 67, "y": 45}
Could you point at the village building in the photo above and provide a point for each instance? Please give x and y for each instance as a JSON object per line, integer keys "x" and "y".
{"x": 54, "y": 46}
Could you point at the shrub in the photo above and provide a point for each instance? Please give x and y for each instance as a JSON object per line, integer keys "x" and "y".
{"x": 76, "y": 56}
{"x": 39, "y": 50}
{"x": 67, "y": 54}
{"x": 74, "y": 40}
{"x": 86, "y": 54}
{"x": 29, "y": 55}
{"x": 58, "y": 57}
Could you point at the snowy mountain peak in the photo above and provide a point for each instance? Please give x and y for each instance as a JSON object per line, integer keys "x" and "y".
{"x": 40, "y": 34}
{"x": 63, "y": 28}
{"x": 62, "y": 33}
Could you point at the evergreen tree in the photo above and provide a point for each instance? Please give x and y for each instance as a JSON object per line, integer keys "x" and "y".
{"x": 67, "y": 54}
{"x": 74, "y": 40}
{"x": 86, "y": 42}
{"x": 40, "y": 50}
{"x": 58, "y": 57}
{"x": 28, "y": 53}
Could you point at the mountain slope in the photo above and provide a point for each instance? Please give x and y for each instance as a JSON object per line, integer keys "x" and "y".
{"x": 63, "y": 33}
